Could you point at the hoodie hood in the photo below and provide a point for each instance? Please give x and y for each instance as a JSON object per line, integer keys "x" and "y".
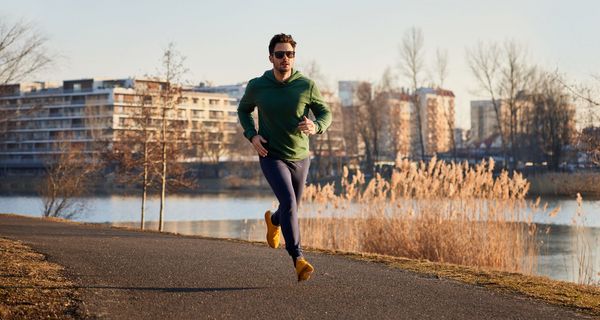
{"x": 295, "y": 76}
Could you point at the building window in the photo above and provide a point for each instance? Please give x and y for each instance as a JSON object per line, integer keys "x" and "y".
{"x": 78, "y": 100}
{"x": 216, "y": 114}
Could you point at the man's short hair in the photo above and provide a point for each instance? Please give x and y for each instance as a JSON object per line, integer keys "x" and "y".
{"x": 281, "y": 38}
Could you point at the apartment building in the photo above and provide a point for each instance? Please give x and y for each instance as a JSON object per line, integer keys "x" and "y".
{"x": 395, "y": 134}
{"x": 235, "y": 91}
{"x": 484, "y": 123}
{"x": 484, "y": 120}
{"x": 39, "y": 118}
{"x": 331, "y": 143}
{"x": 398, "y": 121}
{"x": 436, "y": 109}
{"x": 347, "y": 92}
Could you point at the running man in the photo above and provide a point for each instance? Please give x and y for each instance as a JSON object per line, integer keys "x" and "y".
{"x": 284, "y": 98}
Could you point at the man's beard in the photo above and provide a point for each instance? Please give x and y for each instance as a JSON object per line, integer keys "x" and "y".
{"x": 283, "y": 69}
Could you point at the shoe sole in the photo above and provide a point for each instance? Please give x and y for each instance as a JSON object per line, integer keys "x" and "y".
{"x": 305, "y": 273}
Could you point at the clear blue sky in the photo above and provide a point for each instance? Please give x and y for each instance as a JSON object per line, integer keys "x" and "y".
{"x": 226, "y": 41}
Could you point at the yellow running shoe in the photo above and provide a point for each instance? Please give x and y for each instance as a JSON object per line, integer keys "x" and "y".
{"x": 303, "y": 269}
{"x": 272, "y": 231}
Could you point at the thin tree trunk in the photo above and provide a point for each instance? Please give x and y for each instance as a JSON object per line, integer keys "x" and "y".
{"x": 145, "y": 184}
{"x": 164, "y": 172}
{"x": 500, "y": 128}
{"x": 453, "y": 141}
{"x": 417, "y": 102}
{"x": 143, "y": 207}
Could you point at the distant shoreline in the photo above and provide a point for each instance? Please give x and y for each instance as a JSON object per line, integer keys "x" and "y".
{"x": 555, "y": 185}
{"x": 567, "y": 185}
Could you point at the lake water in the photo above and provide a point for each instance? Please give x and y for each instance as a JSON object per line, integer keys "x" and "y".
{"x": 228, "y": 216}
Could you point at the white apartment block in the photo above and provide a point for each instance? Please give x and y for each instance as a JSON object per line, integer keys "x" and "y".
{"x": 235, "y": 91}
{"x": 39, "y": 117}
{"x": 395, "y": 132}
{"x": 436, "y": 107}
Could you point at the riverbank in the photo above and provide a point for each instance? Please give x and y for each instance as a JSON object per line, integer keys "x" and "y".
{"x": 565, "y": 184}
{"x": 581, "y": 298}
{"x": 17, "y": 185}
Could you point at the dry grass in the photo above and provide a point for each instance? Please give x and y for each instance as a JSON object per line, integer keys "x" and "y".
{"x": 441, "y": 212}
{"x": 566, "y": 184}
{"x": 585, "y": 247}
{"x": 32, "y": 288}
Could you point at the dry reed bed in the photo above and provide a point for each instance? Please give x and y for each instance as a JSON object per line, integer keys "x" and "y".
{"x": 437, "y": 211}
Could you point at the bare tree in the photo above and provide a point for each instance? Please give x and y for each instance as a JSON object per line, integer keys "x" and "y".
{"x": 516, "y": 75}
{"x": 137, "y": 147}
{"x": 441, "y": 66}
{"x": 553, "y": 117}
{"x": 171, "y": 139}
{"x": 589, "y": 95}
{"x": 22, "y": 53}
{"x": 589, "y": 141}
{"x": 239, "y": 146}
{"x": 503, "y": 74}
{"x": 72, "y": 167}
{"x": 215, "y": 144}
{"x": 326, "y": 147}
{"x": 156, "y": 136}
{"x": 313, "y": 70}
{"x": 412, "y": 65}
{"x": 67, "y": 179}
{"x": 368, "y": 124}
{"x": 441, "y": 70}
{"x": 320, "y": 145}
{"x": 583, "y": 92}
{"x": 484, "y": 61}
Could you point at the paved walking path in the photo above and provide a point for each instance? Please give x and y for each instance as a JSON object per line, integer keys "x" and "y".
{"x": 145, "y": 275}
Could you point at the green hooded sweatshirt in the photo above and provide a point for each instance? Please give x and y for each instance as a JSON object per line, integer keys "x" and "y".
{"x": 281, "y": 106}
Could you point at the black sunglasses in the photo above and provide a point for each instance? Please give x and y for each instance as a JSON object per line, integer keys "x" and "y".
{"x": 280, "y": 54}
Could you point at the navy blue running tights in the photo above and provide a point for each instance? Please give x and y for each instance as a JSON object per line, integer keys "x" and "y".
{"x": 287, "y": 179}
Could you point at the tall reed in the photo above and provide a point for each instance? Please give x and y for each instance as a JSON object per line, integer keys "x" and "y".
{"x": 439, "y": 211}
{"x": 584, "y": 244}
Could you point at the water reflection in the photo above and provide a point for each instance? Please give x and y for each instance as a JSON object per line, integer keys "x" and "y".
{"x": 232, "y": 207}
{"x": 563, "y": 248}
{"x": 247, "y": 229}
{"x": 237, "y": 217}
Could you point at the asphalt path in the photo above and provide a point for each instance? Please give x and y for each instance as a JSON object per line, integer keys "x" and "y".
{"x": 122, "y": 274}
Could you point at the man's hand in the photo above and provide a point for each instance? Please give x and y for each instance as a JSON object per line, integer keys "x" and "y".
{"x": 307, "y": 126}
{"x": 257, "y": 142}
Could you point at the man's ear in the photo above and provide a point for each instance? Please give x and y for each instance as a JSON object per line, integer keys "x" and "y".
{"x": 271, "y": 58}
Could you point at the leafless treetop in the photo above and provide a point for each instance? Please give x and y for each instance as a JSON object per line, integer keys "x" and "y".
{"x": 22, "y": 51}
